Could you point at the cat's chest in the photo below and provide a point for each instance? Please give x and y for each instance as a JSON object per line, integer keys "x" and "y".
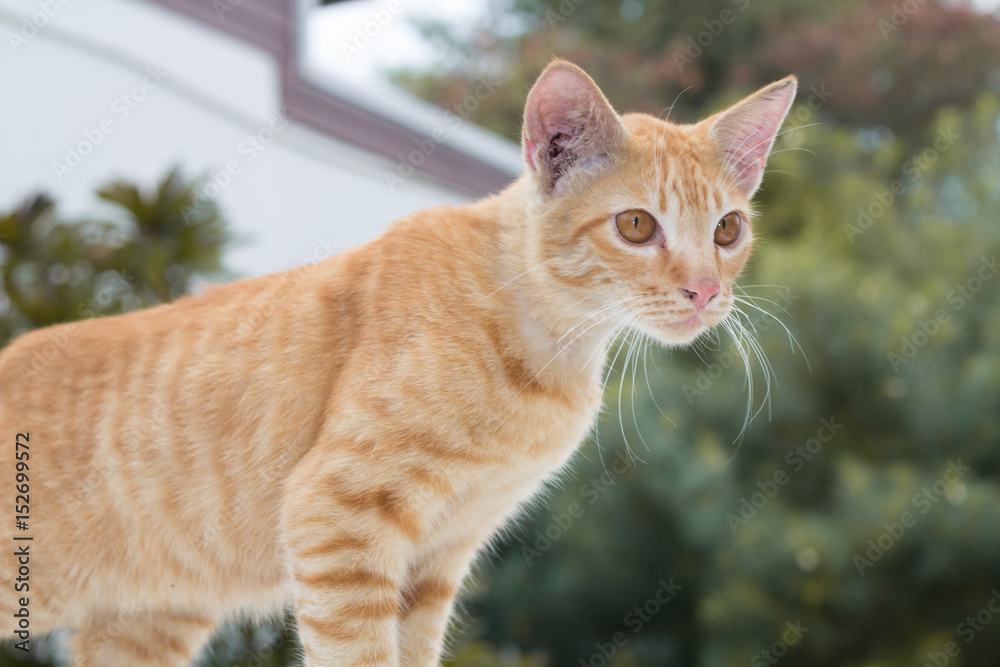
{"x": 485, "y": 495}
{"x": 540, "y": 415}
{"x": 538, "y": 436}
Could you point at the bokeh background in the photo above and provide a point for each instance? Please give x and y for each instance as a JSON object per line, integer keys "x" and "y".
{"x": 853, "y": 520}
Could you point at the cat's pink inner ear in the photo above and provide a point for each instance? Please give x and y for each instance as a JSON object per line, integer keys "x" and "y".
{"x": 567, "y": 121}
{"x": 745, "y": 133}
{"x": 560, "y": 97}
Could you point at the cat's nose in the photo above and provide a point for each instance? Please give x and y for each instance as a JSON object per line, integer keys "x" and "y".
{"x": 700, "y": 293}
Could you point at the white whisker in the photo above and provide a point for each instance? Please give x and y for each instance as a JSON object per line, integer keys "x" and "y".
{"x": 520, "y": 275}
{"x": 645, "y": 371}
{"x": 792, "y": 341}
{"x": 636, "y": 342}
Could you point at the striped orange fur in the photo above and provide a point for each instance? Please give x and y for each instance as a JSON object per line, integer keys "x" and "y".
{"x": 349, "y": 454}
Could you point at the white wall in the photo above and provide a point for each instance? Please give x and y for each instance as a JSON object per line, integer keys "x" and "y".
{"x": 298, "y": 196}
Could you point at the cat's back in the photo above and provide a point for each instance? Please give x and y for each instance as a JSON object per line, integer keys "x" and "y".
{"x": 272, "y": 331}
{"x": 218, "y": 378}
{"x": 175, "y": 422}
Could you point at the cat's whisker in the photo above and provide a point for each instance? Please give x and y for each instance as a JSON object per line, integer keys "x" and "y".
{"x": 794, "y": 148}
{"x": 755, "y": 343}
{"x": 751, "y": 301}
{"x": 615, "y": 331}
{"x": 697, "y": 351}
{"x": 621, "y": 389}
{"x": 727, "y": 325}
{"x": 708, "y": 335}
{"x": 765, "y": 363}
{"x": 746, "y": 298}
{"x": 797, "y": 127}
{"x": 731, "y": 163}
{"x": 792, "y": 340}
{"x": 751, "y": 346}
{"x": 607, "y": 376}
{"x": 769, "y": 374}
{"x": 630, "y": 341}
{"x": 736, "y": 309}
{"x": 657, "y": 366}
{"x": 573, "y": 305}
{"x": 670, "y": 109}
{"x": 593, "y": 313}
{"x": 637, "y": 342}
{"x": 624, "y": 324}
{"x": 645, "y": 370}
{"x": 577, "y": 337}
{"x": 714, "y": 334}
{"x": 658, "y": 144}
{"x": 760, "y": 298}
{"x": 521, "y": 275}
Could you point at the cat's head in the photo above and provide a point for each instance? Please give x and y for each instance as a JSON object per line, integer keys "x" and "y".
{"x": 645, "y": 219}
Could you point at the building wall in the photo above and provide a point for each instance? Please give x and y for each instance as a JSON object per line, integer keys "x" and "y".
{"x": 149, "y": 89}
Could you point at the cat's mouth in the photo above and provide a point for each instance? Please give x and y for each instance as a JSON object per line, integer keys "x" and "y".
{"x": 689, "y": 323}
{"x": 685, "y": 330}
{"x": 681, "y": 328}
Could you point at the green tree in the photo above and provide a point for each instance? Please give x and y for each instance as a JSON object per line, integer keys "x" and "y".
{"x": 56, "y": 271}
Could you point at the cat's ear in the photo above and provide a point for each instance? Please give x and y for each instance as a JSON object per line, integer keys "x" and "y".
{"x": 744, "y": 133}
{"x": 568, "y": 126}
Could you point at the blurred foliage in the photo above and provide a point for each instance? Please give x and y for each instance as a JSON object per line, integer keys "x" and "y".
{"x": 679, "y": 538}
{"x": 146, "y": 253}
{"x": 887, "y": 63}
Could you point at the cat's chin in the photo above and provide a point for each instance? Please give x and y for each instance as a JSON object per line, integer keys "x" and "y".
{"x": 678, "y": 334}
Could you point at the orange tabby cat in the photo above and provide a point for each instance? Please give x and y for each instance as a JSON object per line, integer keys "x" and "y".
{"x": 348, "y": 456}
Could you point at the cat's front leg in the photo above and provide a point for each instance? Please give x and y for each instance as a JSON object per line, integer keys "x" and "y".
{"x": 348, "y": 536}
{"x": 434, "y": 580}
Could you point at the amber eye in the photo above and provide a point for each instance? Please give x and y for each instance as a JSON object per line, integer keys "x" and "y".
{"x": 728, "y": 229}
{"x": 636, "y": 226}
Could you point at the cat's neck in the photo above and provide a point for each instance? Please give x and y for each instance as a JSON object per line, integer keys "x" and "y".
{"x": 559, "y": 335}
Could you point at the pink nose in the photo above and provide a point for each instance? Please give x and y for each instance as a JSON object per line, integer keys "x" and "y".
{"x": 700, "y": 293}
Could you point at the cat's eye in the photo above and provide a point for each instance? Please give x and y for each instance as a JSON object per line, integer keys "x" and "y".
{"x": 636, "y": 226}
{"x": 728, "y": 229}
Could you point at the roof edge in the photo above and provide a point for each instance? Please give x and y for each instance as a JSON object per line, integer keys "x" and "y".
{"x": 468, "y": 158}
